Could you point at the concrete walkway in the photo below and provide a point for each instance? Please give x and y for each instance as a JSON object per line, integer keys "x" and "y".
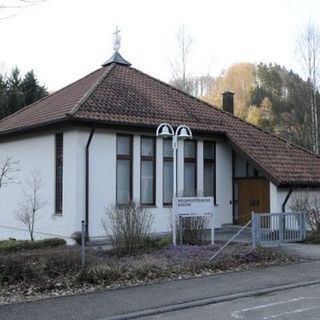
{"x": 309, "y": 251}
{"x": 114, "y": 303}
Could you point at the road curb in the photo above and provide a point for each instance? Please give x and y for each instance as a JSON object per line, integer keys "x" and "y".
{"x": 207, "y": 301}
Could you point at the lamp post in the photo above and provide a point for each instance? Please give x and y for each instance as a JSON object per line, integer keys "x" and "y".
{"x": 165, "y": 130}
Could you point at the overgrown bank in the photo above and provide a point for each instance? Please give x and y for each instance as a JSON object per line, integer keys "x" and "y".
{"x": 57, "y": 271}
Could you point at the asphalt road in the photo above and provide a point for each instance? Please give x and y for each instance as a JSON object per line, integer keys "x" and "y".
{"x": 295, "y": 304}
{"x": 121, "y": 302}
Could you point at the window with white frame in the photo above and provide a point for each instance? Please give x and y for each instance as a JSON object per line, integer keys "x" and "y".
{"x": 190, "y": 168}
{"x": 167, "y": 172}
{"x": 124, "y": 169}
{"x": 148, "y": 170}
{"x": 209, "y": 169}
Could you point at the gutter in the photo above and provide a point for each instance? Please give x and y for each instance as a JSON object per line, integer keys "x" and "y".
{"x": 87, "y": 182}
{"x": 286, "y": 200}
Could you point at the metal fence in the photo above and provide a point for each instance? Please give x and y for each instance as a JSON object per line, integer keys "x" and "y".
{"x": 271, "y": 229}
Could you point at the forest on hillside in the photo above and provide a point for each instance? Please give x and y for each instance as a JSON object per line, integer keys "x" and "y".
{"x": 267, "y": 95}
{"x": 18, "y": 90}
{"x": 270, "y": 97}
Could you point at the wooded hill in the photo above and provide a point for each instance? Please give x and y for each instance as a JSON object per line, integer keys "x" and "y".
{"x": 269, "y": 96}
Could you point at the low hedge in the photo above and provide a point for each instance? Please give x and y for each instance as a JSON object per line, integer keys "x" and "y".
{"x": 10, "y": 246}
{"x": 313, "y": 238}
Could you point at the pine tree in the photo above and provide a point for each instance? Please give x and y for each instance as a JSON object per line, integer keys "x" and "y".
{"x": 3, "y": 97}
{"x": 17, "y": 92}
{"x": 14, "y": 91}
{"x": 31, "y": 89}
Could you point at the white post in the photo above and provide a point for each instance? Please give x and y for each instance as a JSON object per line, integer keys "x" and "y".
{"x": 165, "y": 130}
{"x": 212, "y": 229}
{"x": 174, "y": 147}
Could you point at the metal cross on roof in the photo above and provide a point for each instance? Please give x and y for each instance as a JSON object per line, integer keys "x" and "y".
{"x": 116, "y": 40}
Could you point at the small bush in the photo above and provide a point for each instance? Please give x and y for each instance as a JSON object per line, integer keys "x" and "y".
{"x": 158, "y": 243}
{"x": 193, "y": 230}
{"x": 76, "y": 236}
{"x": 10, "y": 246}
{"x": 310, "y": 206}
{"x": 129, "y": 225}
{"x": 313, "y": 238}
{"x": 38, "y": 266}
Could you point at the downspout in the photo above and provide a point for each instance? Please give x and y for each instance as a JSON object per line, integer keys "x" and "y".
{"x": 286, "y": 200}
{"x": 87, "y": 182}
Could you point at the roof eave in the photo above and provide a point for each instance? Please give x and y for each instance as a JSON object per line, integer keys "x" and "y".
{"x": 272, "y": 178}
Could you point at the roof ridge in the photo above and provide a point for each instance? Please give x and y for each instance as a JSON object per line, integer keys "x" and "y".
{"x": 93, "y": 88}
{"x": 46, "y": 97}
{"x": 228, "y": 114}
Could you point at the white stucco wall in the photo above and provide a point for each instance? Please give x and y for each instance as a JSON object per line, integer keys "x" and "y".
{"x": 103, "y": 179}
{"x": 277, "y": 197}
{"x": 37, "y": 153}
{"x": 223, "y": 209}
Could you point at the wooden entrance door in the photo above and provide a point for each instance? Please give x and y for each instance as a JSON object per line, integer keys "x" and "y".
{"x": 253, "y": 195}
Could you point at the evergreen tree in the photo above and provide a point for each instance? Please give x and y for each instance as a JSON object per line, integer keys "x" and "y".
{"x": 3, "y": 98}
{"x": 18, "y": 91}
{"x": 14, "y": 91}
{"x": 31, "y": 89}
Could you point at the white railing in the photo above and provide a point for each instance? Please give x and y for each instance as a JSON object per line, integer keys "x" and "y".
{"x": 270, "y": 229}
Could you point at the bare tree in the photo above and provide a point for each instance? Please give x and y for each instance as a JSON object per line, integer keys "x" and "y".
{"x": 28, "y": 209}
{"x": 11, "y": 8}
{"x": 308, "y": 52}
{"x": 309, "y": 205}
{"x": 8, "y": 168}
{"x": 179, "y": 64}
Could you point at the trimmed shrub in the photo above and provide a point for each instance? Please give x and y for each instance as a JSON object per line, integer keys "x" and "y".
{"x": 39, "y": 266}
{"x": 158, "y": 243}
{"x": 10, "y": 246}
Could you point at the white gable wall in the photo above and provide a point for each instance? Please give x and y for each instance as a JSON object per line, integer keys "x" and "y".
{"x": 37, "y": 153}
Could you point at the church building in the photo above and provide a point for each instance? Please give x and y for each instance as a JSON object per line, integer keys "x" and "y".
{"x": 94, "y": 145}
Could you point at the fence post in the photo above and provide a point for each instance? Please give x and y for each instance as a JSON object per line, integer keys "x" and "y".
{"x": 83, "y": 237}
{"x": 253, "y": 230}
{"x": 281, "y": 226}
{"x": 181, "y": 229}
{"x": 302, "y": 227}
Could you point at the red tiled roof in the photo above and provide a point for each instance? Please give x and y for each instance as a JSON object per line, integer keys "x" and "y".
{"x": 122, "y": 95}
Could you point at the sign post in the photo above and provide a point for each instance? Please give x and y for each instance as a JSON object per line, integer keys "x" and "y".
{"x": 188, "y": 207}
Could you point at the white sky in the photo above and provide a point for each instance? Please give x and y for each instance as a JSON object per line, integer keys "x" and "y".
{"x": 63, "y": 40}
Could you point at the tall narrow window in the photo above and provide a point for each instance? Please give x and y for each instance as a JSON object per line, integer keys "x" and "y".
{"x": 148, "y": 170}
{"x": 59, "y": 172}
{"x": 209, "y": 176}
{"x": 190, "y": 168}
{"x": 167, "y": 172}
{"x": 124, "y": 169}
